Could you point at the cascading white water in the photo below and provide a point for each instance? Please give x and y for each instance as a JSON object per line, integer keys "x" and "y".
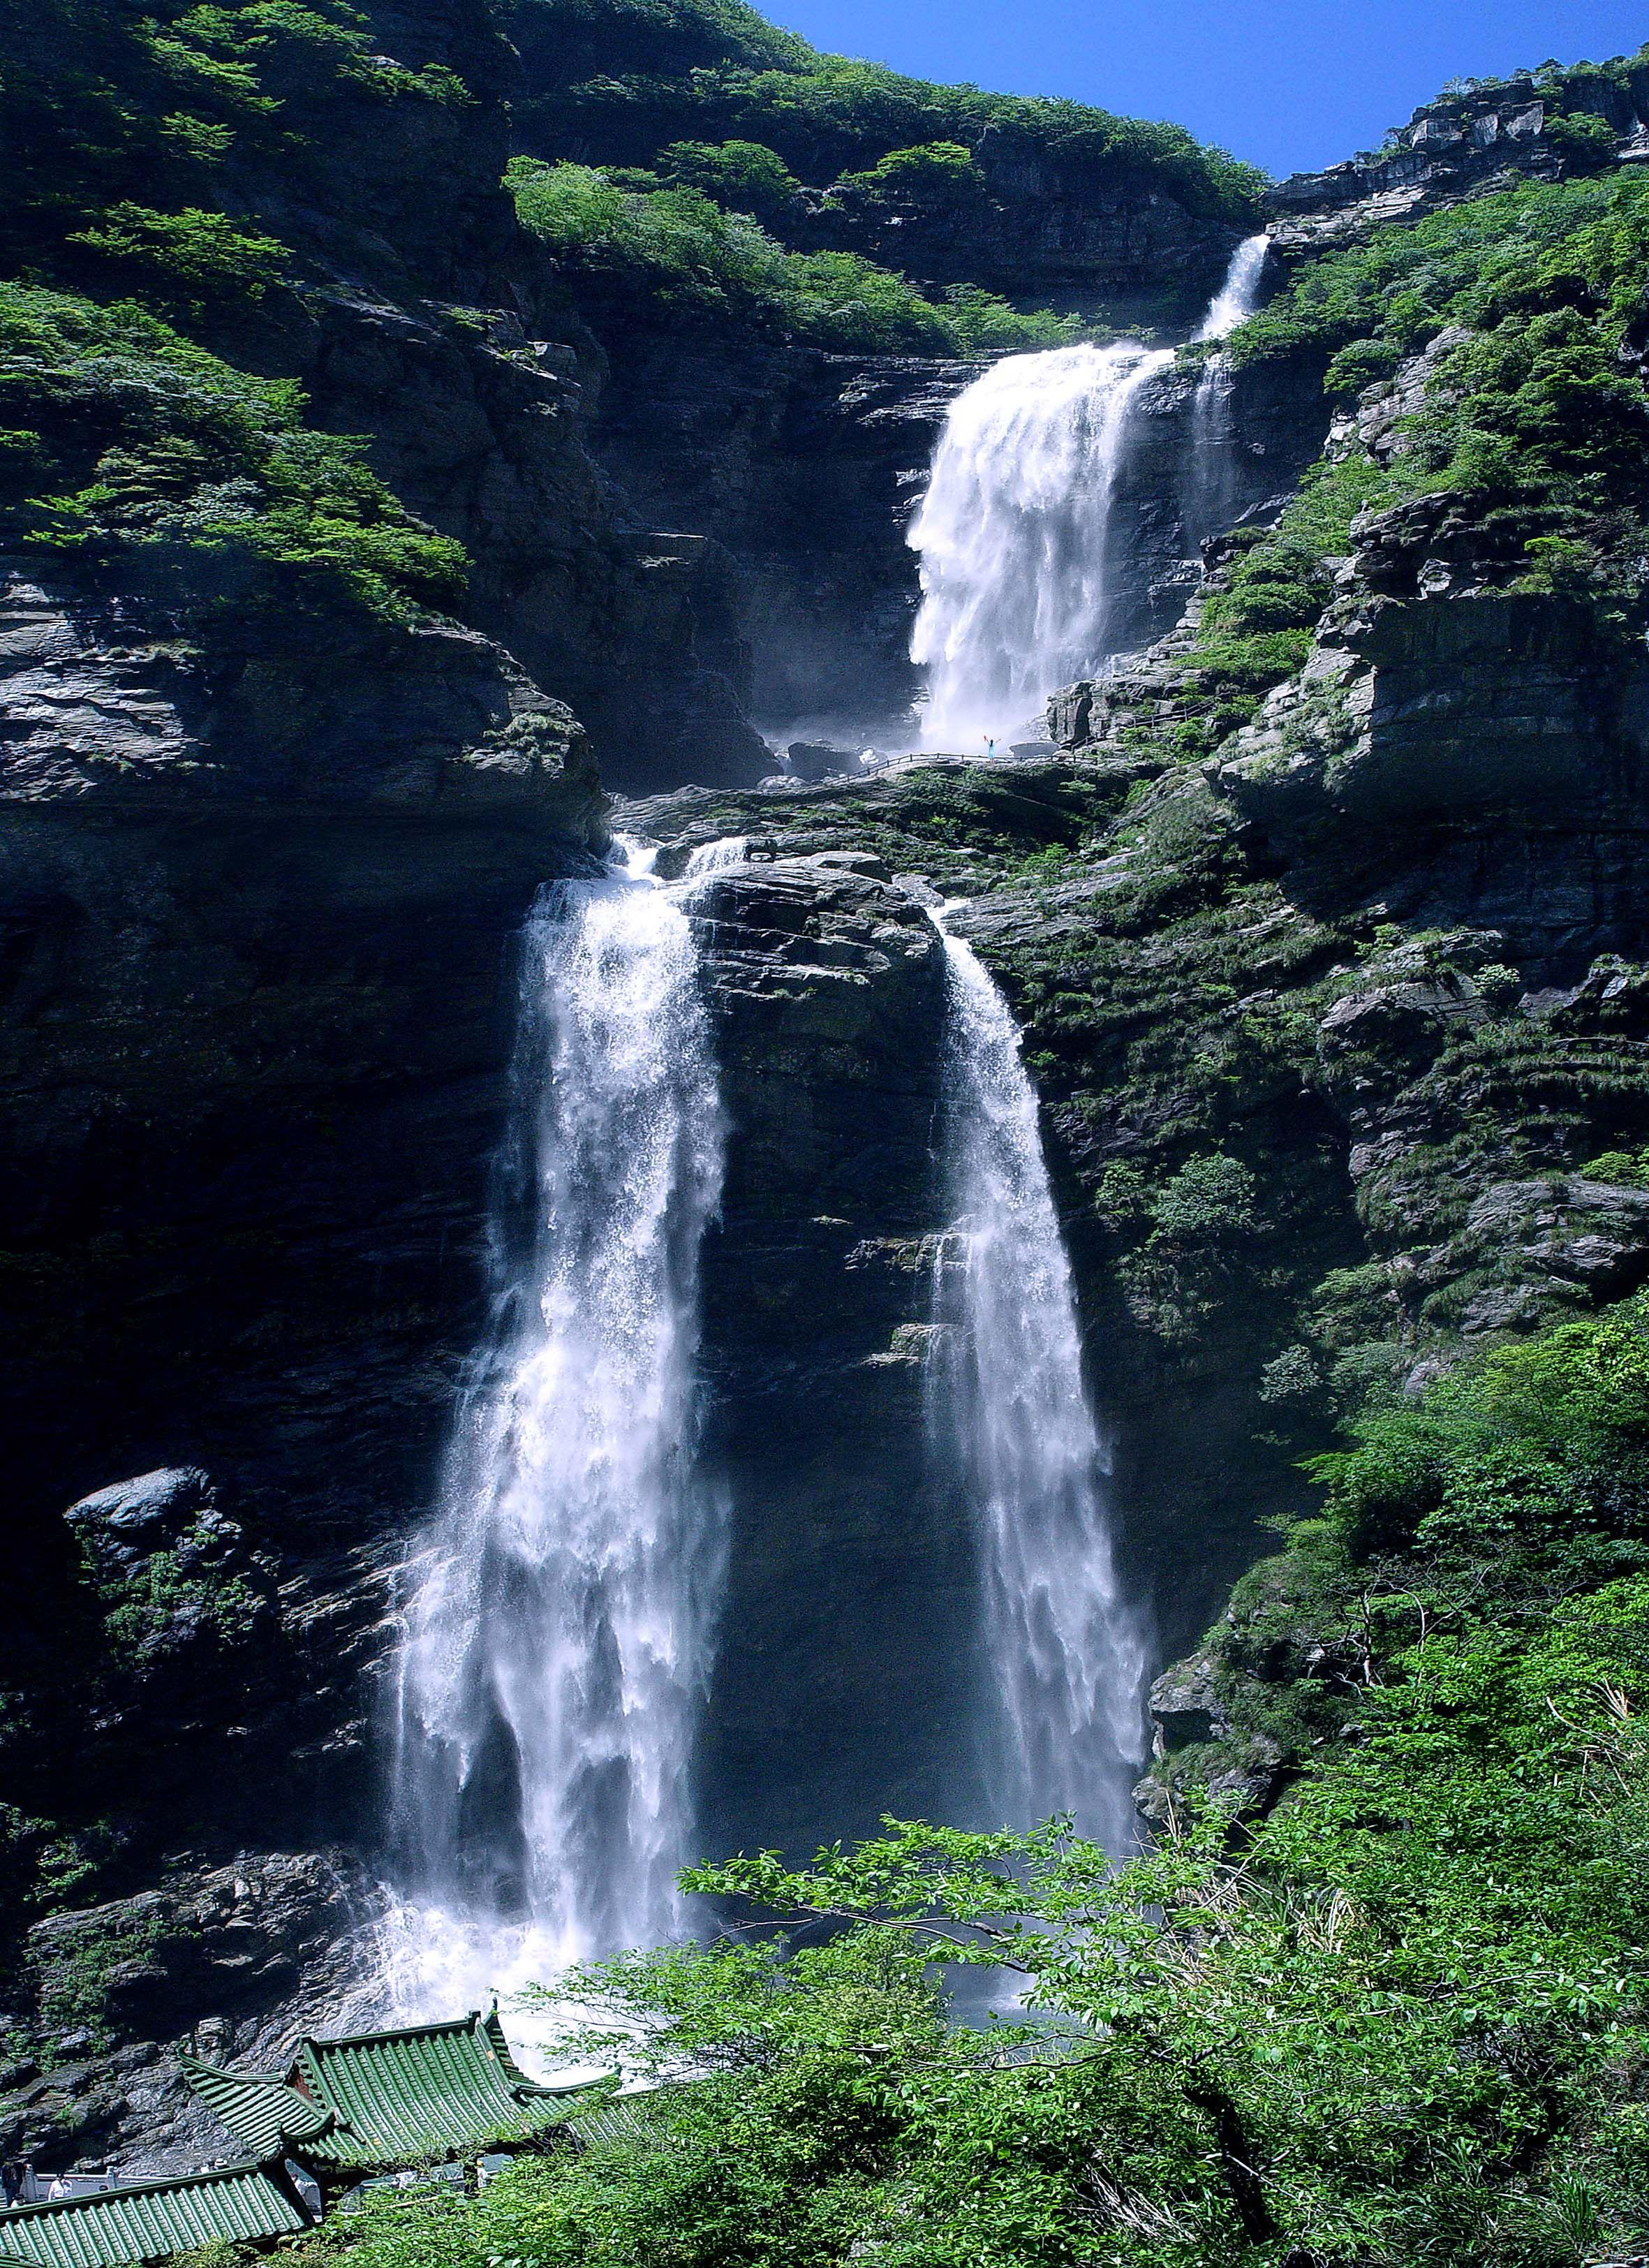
{"x": 1211, "y": 483}
{"x": 1020, "y": 563}
{"x": 560, "y": 1632}
{"x": 1234, "y": 301}
{"x": 1007, "y": 1409}
{"x": 1013, "y": 535}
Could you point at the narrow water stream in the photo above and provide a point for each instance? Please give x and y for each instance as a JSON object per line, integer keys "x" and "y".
{"x": 1008, "y": 1412}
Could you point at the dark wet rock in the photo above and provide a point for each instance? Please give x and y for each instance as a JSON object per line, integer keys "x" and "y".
{"x": 109, "y": 697}
{"x": 827, "y": 981}
{"x": 256, "y": 924}
{"x": 817, "y": 760}
{"x": 804, "y": 467}
{"x": 173, "y": 1509}
{"x": 1186, "y": 1708}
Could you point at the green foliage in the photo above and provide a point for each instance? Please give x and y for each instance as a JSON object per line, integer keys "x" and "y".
{"x": 120, "y": 121}
{"x": 187, "y": 260}
{"x": 1256, "y": 624}
{"x": 1401, "y": 2019}
{"x": 1585, "y": 144}
{"x": 743, "y": 176}
{"x": 685, "y": 250}
{"x": 621, "y": 78}
{"x": 1519, "y": 253}
{"x": 152, "y": 442}
{"x": 1532, "y": 419}
{"x": 1626, "y": 1169}
{"x": 932, "y": 171}
{"x": 1198, "y": 1223}
{"x": 74, "y": 1970}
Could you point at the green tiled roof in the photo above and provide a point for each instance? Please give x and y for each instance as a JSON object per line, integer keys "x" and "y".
{"x": 146, "y": 2220}
{"x": 265, "y": 2114}
{"x": 620, "y": 2117}
{"x": 390, "y": 2098}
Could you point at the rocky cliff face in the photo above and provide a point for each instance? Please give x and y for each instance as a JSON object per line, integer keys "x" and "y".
{"x": 254, "y": 927}
{"x": 1047, "y": 227}
{"x": 1542, "y": 126}
{"x": 803, "y": 468}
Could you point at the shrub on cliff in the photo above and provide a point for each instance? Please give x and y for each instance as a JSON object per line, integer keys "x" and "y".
{"x": 124, "y": 437}
{"x": 740, "y": 176}
{"x": 684, "y": 250}
{"x": 931, "y": 172}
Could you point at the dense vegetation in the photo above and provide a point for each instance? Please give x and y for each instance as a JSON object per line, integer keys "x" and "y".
{"x": 682, "y": 248}
{"x": 137, "y": 140}
{"x": 615, "y": 80}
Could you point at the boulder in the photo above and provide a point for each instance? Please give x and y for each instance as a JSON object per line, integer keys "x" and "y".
{"x": 818, "y": 760}
{"x": 1185, "y": 1706}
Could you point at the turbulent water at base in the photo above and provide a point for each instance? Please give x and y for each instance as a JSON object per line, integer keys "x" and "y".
{"x": 1014, "y": 536}
{"x": 1210, "y": 473}
{"x": 1017, "y": 534}
{"x": 1008, "y": 1413}
{"x": 560, "y": 1632}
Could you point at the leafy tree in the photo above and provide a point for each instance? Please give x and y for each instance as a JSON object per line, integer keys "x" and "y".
{"x": 932, "y": 172}
{"x": 743, "y": 176}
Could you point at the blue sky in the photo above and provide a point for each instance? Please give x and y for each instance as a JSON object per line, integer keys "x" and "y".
{"x": 1288, "y": 85}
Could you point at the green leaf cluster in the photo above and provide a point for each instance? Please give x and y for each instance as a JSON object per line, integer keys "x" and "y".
{"x": 124, "y": 436}
{"x": 683, "y": 248}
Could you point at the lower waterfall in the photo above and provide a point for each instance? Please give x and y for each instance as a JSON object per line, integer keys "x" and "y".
{"x": 559, "y": 1636}
{"x": 1008, "y": 1412}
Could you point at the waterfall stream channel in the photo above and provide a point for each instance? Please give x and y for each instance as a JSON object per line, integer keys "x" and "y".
{"x": 562, "y": 1612}
{"x": 1022, "y": 565}
{"x": 561, "y": 1623}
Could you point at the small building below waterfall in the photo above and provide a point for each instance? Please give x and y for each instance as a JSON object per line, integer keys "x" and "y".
{"x": 430, "y": 2099}
{"x": 380, "y": 2100}
{"x": 147, "y": 2220}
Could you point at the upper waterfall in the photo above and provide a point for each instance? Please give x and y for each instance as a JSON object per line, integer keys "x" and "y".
{"x": 559, "y": 1637}
{"x": 1234, "y": 301}
{"x": 1022, "y": 568}
{"x": 1013, "y": 531}
{"x": 1009, "y": 1411}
